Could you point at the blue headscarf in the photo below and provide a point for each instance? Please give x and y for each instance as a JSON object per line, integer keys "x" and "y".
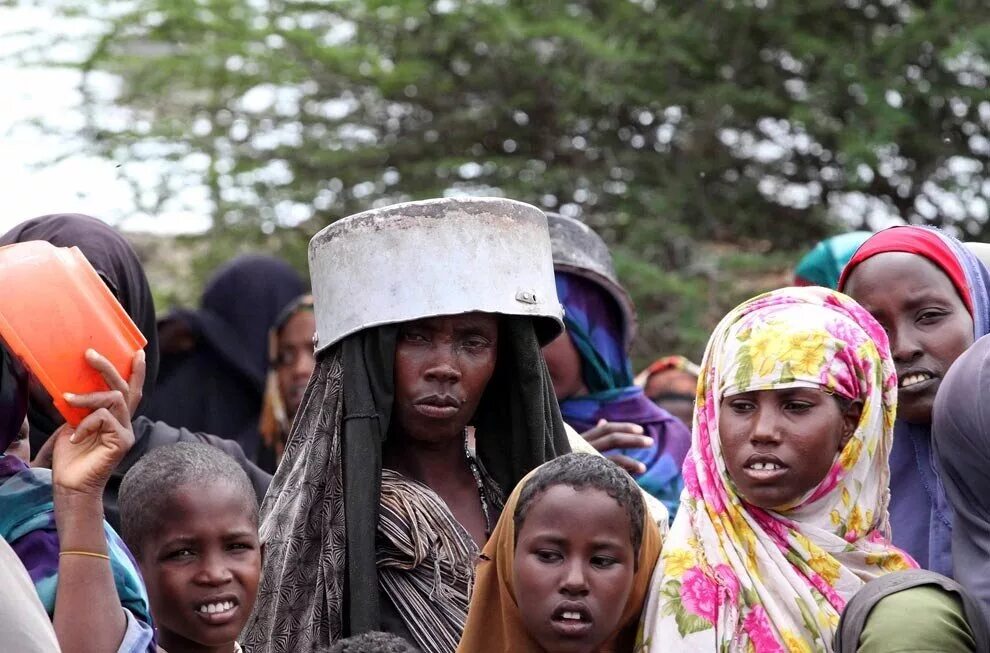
{"x": 920, "y": 514}
{"x": 594, "y": 325}
{"x": 823, "y": 265}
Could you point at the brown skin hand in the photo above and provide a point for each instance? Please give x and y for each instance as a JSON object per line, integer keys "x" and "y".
{"x": 88, "y": 614}
{"x": 564, "y": 364}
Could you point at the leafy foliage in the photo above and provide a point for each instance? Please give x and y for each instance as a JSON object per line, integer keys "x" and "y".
{"x": 664, "y": 124}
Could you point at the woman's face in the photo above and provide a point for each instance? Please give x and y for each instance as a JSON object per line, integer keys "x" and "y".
{"x": 925, "y": 319}
{"x": 295, "y": 359}
{"x": 779, "y": 444}
{"x": 442, "y": 367}
{"x": 564, "y": 364}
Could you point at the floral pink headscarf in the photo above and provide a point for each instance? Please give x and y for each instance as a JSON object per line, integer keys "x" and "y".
{"x": 733, "y": 577}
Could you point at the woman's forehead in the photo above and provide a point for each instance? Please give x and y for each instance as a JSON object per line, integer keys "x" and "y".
{"x": 899, "y": 272}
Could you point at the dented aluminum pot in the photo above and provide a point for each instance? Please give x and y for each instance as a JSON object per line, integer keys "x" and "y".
{"x": 436, "y": 257}
{"x": 579, "y": 250}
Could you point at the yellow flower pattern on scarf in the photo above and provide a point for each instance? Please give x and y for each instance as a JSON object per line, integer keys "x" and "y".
{"x": 739, "y": 579}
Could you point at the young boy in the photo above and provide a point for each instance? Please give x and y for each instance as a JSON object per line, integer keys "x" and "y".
{"x": 190, "y": 516}
{"x": 569, "y": 564}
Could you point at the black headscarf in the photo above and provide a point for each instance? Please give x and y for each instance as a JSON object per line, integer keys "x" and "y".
{"x": 320, "y": 575}
{"x": 961, "y": 437}
{"x": 223, "y": 353}
{"x": 118, "y": 265}
{"x": 240, "y": 303}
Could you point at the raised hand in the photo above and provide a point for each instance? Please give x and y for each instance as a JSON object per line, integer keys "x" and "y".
{"x": 84, "y": 457}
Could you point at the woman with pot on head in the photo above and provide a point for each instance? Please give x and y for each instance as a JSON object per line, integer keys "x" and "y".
{"x": 784, "y": 517}
{"x": 931, "y": 296}
{"x": 591, "y": 371}
{"x": 379, "y": 508}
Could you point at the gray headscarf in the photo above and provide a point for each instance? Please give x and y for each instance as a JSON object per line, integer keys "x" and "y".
{"x": 961, "y": 436}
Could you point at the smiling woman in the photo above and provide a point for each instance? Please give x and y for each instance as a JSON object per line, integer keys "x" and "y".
{"x": 784, "y": 515}
{"x": 931, "y": 296}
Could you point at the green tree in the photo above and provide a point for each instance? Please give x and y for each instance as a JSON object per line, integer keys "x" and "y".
{"x": 664, "y": 124}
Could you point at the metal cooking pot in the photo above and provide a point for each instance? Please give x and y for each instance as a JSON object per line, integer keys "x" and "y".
{"x": 436, "y": 257}
{"x": 579, "y": 250}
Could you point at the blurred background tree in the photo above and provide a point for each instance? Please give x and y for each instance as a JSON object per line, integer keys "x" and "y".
{"x": 708, "y": 142}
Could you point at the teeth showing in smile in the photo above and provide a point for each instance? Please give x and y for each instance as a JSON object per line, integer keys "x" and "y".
{"x": 765, "y": 467}
{"x": 913, "y": 379}
{"x": 571, "y": 616}
{"x": 213, "y": 608}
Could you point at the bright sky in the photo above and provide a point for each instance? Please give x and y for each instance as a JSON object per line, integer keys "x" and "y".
{"x": 32, "y": 183}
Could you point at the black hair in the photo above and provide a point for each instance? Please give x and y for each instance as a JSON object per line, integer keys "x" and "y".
{"x": 585, "y": 471}
{"x": 150, "y": 483}
{"x": 373, "y": 642}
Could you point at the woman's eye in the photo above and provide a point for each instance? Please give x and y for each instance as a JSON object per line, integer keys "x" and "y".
{"x": 476, "y": 343}
{"x": 928, "y": 317}
{"x": 239, "y": 547}
{"x": 548, "y": 556}
{"x": 410, "y": 336}
{"x": 742, "y": 406}
{"x": 797, "y": 406}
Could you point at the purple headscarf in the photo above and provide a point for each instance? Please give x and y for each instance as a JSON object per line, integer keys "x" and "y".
{"x": 961, "y": 437}
{"x": 594, "y": 324}
{"x": 920, "y": 514}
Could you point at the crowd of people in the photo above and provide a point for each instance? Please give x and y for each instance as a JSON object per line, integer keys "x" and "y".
{"x": 438, "y": 444}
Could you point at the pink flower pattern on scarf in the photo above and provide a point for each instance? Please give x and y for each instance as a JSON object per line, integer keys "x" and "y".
{"x": 770, "y": 581}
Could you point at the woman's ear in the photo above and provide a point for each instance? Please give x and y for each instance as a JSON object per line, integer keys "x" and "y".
{"x": 850, "y": 420}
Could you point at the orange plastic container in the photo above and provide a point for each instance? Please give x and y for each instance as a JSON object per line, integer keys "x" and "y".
{"x": 53, "y": 307}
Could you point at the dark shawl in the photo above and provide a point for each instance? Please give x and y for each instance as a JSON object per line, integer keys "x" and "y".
{"x": 228, "y": 360}
{"x": 961, "y": 438}
{"x": 118, "y": 265}
{"x": 320, "y": 519}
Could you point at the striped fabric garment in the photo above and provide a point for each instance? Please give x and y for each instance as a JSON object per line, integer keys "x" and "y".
{"x": 426, "y": 560}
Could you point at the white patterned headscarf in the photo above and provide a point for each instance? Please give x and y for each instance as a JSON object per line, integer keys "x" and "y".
{"x": 734, "y": 577}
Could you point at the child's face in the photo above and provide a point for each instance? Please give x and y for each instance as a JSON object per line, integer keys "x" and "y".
{"x": 573, "y": 568}
{"x": 21, "y": 446}
{"x": 202, "y": 566}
